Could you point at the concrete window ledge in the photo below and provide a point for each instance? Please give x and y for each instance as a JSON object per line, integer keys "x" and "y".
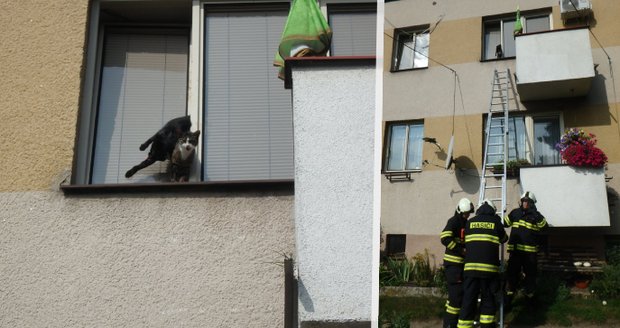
{"x": 281, "y": 186}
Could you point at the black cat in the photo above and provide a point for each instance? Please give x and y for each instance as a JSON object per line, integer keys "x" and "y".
{"x": 162, "y": 143}
{"x": 183, "y": 156}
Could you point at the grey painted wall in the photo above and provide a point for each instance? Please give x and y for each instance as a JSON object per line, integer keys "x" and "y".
{"x": 143, "y": 260}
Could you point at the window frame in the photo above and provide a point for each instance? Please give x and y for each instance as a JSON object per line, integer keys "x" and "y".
{"x": 195, "y": 23}
{"x": 397, "y": 48}
{"x": 529, "y": 119}
{"x": 387, "y": 146}
{"x": 537, "y": 13}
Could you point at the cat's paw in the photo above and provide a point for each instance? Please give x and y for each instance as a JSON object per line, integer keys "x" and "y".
{"x": 130, "y": 173}
{"x": 143, "y": 146}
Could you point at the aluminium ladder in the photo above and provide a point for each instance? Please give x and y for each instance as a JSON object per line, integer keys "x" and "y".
{"x": 496, "y": 150}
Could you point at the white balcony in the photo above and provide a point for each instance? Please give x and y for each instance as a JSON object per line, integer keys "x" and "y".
{"x": 554, "y": 64}
{"x": 568, "y": 196}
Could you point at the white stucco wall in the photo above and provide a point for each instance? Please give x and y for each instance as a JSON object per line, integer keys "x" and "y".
{"x": 144, "y": 260}
{"x": 333, "y": 115}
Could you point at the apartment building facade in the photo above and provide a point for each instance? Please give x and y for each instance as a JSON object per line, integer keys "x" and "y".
{"x": 84, "y": 83}
{"x": 439, "y": 66}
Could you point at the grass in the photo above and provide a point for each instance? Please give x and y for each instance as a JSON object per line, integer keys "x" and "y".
{"x": 405, "y": 309}
{"x": 557, "y": 308}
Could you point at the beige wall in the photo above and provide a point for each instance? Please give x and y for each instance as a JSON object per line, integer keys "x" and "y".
{"x": 420, "y": 207}
{"x": 144, "y": 260}
{"x": 40, "y": 64}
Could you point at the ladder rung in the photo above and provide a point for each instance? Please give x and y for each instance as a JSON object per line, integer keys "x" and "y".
{"x": 498, "y": 175}
{"x": 495, "y": 154}
{"x": 496, "y": 144}
{"x": 496, "y": 135}
{"x": 493, "y": 187}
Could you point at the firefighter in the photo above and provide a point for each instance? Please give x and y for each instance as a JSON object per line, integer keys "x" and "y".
{"x": 526, "y": 223}
{"x": 452, "y": 237}
{"x": 483, "y": 235}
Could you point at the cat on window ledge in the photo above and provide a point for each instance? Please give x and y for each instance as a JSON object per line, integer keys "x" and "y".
{"x": 183, "y": 156}
{"x": 162, "y": 143}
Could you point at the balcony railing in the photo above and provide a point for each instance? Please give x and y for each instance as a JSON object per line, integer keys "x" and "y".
{"x": 554, "y": 64}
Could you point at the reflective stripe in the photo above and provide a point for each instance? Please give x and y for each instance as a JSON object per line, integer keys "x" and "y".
{"x": 542, "y": 223}
{"x": 465, "y": 323}
{"x": 452, "y": 309}
{"x": 507, "y": 220}
{"x": 524, "y": 248}
{"x": 511, "y": 247}
{"x": 526, "y": 225}
{"x": 451, "y": 245}
{"x": 446, "y": 234}
{"x": 482, "y": 237}
{"x": 452, "y": 258}
{"x": 487, "y": 318}
{"x": 481, "y": 267}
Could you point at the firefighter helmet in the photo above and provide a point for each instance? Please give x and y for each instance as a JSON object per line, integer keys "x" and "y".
{"x": 529, "y": 195}
{"x": 465, "y": 206}
{"x": 490, "y": 203}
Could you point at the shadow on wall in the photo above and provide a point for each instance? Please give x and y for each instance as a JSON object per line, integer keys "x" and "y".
{"x": 304, "y": 297}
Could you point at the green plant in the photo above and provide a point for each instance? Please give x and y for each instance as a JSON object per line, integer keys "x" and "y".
{"x": 511, "y": 164}
{"x": 612, "y": 254}
{"x": 606, "y": 285}
{"x": 395, "y": 272}
{"x": 423, "y": 274}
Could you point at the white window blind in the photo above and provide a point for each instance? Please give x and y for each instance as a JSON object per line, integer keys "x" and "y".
{"x": 143, "y": 85}
{"x": 354, "y": 33}
{"x": 248, "y": 113}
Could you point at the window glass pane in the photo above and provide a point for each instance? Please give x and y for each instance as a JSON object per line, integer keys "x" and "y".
{"x": 421, "y": 50}
{"x": 508, "y": 38}
{"x": 396, "y": 152}
{"x": 546, "y": 135}
{"x": 414, "y": 148}
{"x": 516, "y": 139}
{"x": 492, "y": 39}
{"x": 406, "y": 47}
{"x": 537, "y": 24}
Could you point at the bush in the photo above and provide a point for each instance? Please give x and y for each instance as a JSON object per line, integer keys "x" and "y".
{"x": 606, "y": 285}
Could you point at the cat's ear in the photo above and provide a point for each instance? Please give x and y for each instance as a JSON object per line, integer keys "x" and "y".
{"x": 197, "y": 133}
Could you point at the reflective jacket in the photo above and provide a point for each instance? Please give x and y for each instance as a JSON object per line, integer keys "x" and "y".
{"x": 452, "y": 237}
{"x": 526, "y": 225}
{"x": 483, "y": 235}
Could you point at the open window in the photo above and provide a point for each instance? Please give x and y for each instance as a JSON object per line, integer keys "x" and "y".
{"x": 411, "y": 48}
{"x": 498, "y": 32}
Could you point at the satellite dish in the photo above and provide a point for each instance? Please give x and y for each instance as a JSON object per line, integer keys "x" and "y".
{"x": 449, "y": 159}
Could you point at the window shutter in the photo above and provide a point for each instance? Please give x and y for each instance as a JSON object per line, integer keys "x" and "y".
{"x": 143, "y": 85}
{"x": 248, "y": 113}
{"x": 354, "y": 33}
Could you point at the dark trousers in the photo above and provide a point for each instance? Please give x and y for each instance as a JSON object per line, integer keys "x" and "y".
{"x": 487, "y": 288}
{"x": 454, "y": 279}
{"x": 522, "y": 261}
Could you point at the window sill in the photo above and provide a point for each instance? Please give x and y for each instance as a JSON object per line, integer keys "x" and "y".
{"x": 400, "y": 175}
{"x": 283, "y": 186}
{"x": 408, "y": 69}
{"x": 497, "y": 59}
